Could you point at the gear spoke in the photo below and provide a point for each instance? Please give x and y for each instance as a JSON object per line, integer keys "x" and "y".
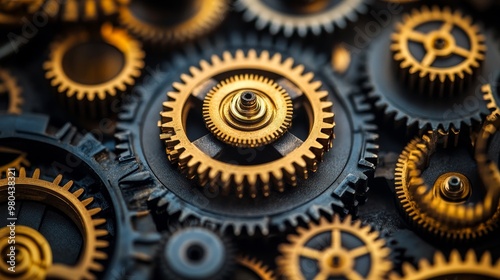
{"x": 311, "y": 253}
{"x": 429, "y": 58}
{"x": 209, "y": 145}
{"x": 417, "y": 36}
{"x": 287, "y": 143}
{"x": 323, "y": 275}
{"x": 353, "y": 275}
{"x": 462, "y": 52}
{"x": 200, "y": 92}
{"x": 447, "y": 27}
{"x": 336, "y": 239}
{"x": 359, "y": 251}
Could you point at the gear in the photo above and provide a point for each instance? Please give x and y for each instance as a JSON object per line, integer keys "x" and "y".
{"x": 15, "y": 159}
{"x": 195, "y": 252}
{"x": 300, "y": 16}
{"x": 454, "y": 268}
{"x": 248, "y": 111}
{"x": 333, "y": 249}
{"x": 251, "y": 269}
{"x": 10, "y": 91}
{"x": 53, "y": 193}
{"x": 11, "y": 12}
{"x": 437, "y": 208}
{"x": 108, "y": 63}
{"x": 295, "y": 163}
{"x": 82, "y": 10}
{"x": 438, "y": 71}
{"x": 169, "y": 23}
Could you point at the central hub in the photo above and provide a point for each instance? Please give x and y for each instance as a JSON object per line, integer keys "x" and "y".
{"x": 453, "y": 187}
{"x": 249, "y": 108}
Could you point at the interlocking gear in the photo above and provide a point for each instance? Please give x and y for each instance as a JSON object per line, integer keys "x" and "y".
{"x": 11, "y": 93}
{"x": 301, "y": 17}
{"x": 454, "y": 268}
{"x": 91, "y": 70}
{"x": 169, "y": 23}
{"x": 251, "y": 269}
{"x": 333, "y": 249}
{"x": 452, "y": 51}
{"x": 200, "y": 161}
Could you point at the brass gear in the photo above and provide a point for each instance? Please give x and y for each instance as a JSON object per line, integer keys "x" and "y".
{"x": 10, "y": 89}
{"x": 82, "y": 10}
{"x": 454, "y": 268}
{"x": 11, "y": 12}
{"x": 248, "y": 111}
{"x": 19, "y": 159}
{"x": 202, "y": 18}
{"x": 428, "y": 74}
{"x": 60, "y": 196}
{"x": 256, "y": 267}
{"x": 108, "y": 63}
{"x": 426, "y": 207}
{"x": 296, "y": 163}
{"x": 334, "y": 259}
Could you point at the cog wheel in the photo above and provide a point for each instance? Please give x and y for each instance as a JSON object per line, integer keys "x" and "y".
{"x": 11, "y": 12}
{"x": 10, "y": 92}
{"x": 12, "y": 158}
{"x": 333, "y": 249}
{"x": 301, "y": 16}
{"x": 82, "y": 10}
{"x": 251, "y": 269}
{"x": 337, "y": 185}
{"x": 169, "y": 23}
{"x": 108, "y": 64}
{"x": 447, "y": 202}
{"x": 448, "y": 61}
{"x": 195, "y": 252}
{"x": 55, "y": 193}
{"x": 455, "y": 267}
{"x": 248, "y": 111}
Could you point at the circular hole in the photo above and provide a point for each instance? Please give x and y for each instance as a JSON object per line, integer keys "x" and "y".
{"x": 195, "y": 253}
{"x": 248, "y": 96}
{"x": 93, "y": 63}
{"x": 440, "y": 43}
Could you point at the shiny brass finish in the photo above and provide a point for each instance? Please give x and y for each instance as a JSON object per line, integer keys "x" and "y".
{"x": 82, "y": 10}
{"x": 256, "y": 267}
{"x": 10, "y": 91}
{"x": 452, "y": 187}
{"x": 341, "y": 59}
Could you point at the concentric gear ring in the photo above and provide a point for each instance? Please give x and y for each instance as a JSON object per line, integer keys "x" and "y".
{"x": 301, "y": 17}
{"x": 207, "y": 15}
{"x": 295, "y": 164}
{"x": 91, "y": 90}
{"x": 337, "y": 255}
{"x": 271, "y": 119}
{"x": 255, "y": 268}
{"x": 427, "y": 73}
{"x": 455, "y": 266}
{"x": 9, "y": 87}
{"x": 60, "y": 196}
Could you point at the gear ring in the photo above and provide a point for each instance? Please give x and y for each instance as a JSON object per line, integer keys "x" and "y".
{"x": 335, "y": 259}
{"x": 8, "y": 86}
{"x": 296, "y": 163}
{"x": 255, "y": 268}
{"x": 269, "y": 96}
{"x": 438, "y": 44}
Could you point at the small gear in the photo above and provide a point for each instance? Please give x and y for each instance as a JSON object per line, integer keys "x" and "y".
{"x": 172, "y": 23}
{"x": 248, "y": 111}
{"x": 196, "y": 161}
{"x": 454, "y": 268}
{"x": 91, "y": 70}
{"x": 195, "y": 252}
{"x": 251, "y": 269}
{"x": 301, "y": 16}
{"x": 11, "y": 12}
{"x": 333, "y": 249}
{"x": 53, "y": 193}
{"x": 448, "y": 59}
{"x": 11, "y": 92}
{"x": 82, "y": 10}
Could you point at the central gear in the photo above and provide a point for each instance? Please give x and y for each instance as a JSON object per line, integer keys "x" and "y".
{"x": 332, "y": 249}
{"x": 295, "y": 163}
{"x": 248, "y": 111}
{"x": 449, "y": 59}
{"x": 55, "y": 194}
{"x": 11, "y": 92}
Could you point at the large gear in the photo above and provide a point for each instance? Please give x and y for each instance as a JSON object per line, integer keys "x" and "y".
{"x": 252, "y": 269}
{"x": 11, "y": 92}
{"x": 333, "y": 249}
{"x": 438, "y": 72}
{"x": 301, "y": 17}
{"x": 338, "y": 184}
{"x": 295, "y": 163}
{"x": 108, "y": 62}
{"x": 169, "y": 23}
{"x": 455, "y": 267}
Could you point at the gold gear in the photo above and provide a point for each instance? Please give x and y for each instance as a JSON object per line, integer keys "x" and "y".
{"x": 34, "y": 188}
{"x": 205, "y": 17}
{"x": 296, "y": 163}
{"x": 334, "y": 259}
{"x": 82, "y": 10}
{"x": 9, "y": 87}
{"x": 256, "y": 267}
{"x": 32, "y": 250}
{"x": 439, "y": 43}
{"x": 454, "y": 268}
{"x": 20, "y": 159}
{"x": 248, "y": 111}
{"x": 443, "y": 215}
{"x": 92, "y": 70}
{"x": 11, "y": 12}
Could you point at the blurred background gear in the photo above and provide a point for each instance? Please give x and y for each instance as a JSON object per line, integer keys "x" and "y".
{"x": 172, "y": 22}
{"x": 90, "y": 70}
{"x": 251, "y": 269}
{"x": 301, "y": 17}
{"x": 11, "y": 100}
{"x": 12, "y": 12}
{"x": 335, "y": 249}
{"x": 82, "y": 10}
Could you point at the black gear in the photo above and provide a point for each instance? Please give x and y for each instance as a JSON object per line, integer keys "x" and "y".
{"x": 85, "y": 161}
{"x": 195, "y": 252}
{"x": 334, "y": 187}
